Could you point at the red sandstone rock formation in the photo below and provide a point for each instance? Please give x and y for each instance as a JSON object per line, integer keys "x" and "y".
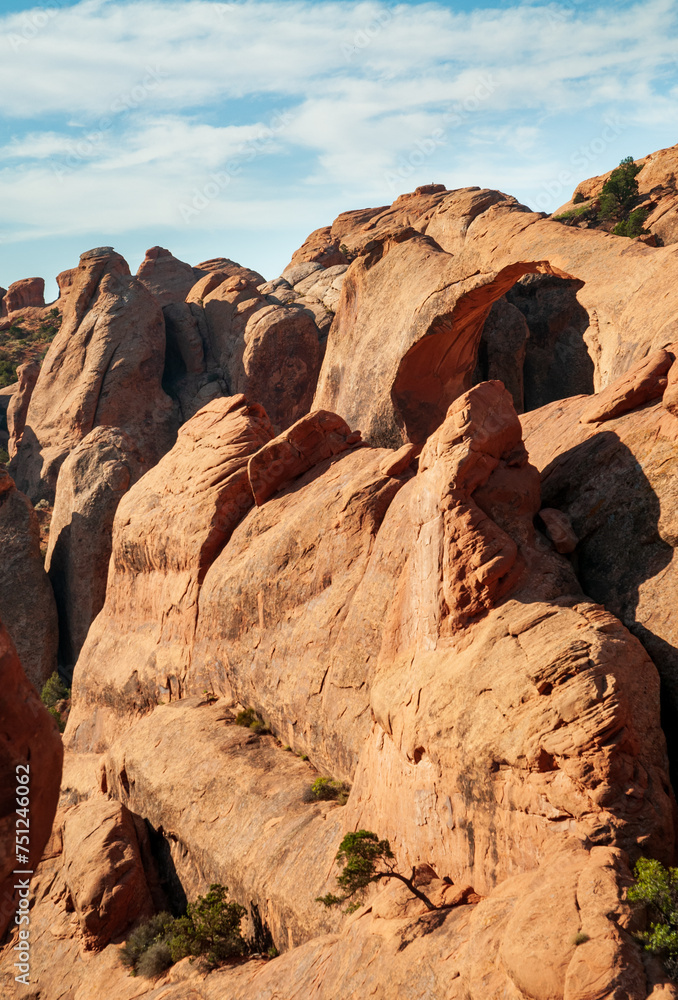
{"x": 104, "y": 367}
{"x": 26, "y": 601}
{"x": 167, "y": 278}
{"x": 91, "y": 483}
{"x": 405, "y": 337}
{"x": 410, "y": 620}
{"x": 231, "y": 269}
{"x": 428, "y": 574}
{"x": 18, "y": 406}
{"x": 103, "y": 870}
{"x": 492, "y": 720}
{"x": 168, "y": 529}
{"x": 488, "y": 231}
{"x": 351, "y": 230}
{"x": 614, "y": 480}
{"x": 270, "y": 352}
{"x": 29, "y": 747}
{"x": 23, "y": 294}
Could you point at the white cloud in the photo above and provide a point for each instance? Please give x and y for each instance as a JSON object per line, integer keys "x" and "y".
{"x": 123, "y": 112}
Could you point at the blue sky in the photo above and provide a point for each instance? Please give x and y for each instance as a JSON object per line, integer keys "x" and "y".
{"x": 234, "y": 129}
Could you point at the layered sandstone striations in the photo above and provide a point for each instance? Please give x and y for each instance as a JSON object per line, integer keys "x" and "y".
{"x": 26, "y": 600}
{"x": 495, "y": 724}
{"x": 406, "y": 612}
{"x": 167, "y": 531}
{"x": 104, "y": 367}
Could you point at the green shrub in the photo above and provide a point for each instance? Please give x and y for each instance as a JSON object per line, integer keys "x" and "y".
{"x": 572, "y": 213}
{"x": 250, "y": 720}
{"x": 329, "y": 789}
{"x": 656, "y": 887}
{"x": 7, "y": 373}
{"x": 619, "y": 190}
{"x": 4, "y": 457}
{"x": 580, "y": 938}
{"x": 151, "y": 932}
{"x": 156, "y": 960}
{"x": 54, "y": 690}
{"x": 633, "y": 226}
{"x": 578, "y": 198}
{"x": 211, "y": 928}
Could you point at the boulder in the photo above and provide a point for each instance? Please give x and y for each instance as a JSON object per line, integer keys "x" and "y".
{"x": 559, "y": 529}
{"x": 26, "y": 600}
{"x": 92, "y": 480}
{"x": 642, "y": 383}
{"x": 30, "y": 753}
{"x": 103, "y": 870}
{"x": 104, "y": 367}
{"x": 270, "y": 353}
{"x": 166, "y": 278}
{"x": 24, "y": 294}
{"x": 231, "y": 268}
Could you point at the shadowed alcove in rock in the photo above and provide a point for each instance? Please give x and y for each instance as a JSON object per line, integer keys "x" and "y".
{"x": 533, "y": 340}
{"x": 616, "y": 515}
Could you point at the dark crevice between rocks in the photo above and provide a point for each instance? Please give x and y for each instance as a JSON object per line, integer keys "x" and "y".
{"x": 171, "y": 894}
{"x": 604, "y": 508}
{"x": 533, "y": 341}
{"x": 557, "y": 362}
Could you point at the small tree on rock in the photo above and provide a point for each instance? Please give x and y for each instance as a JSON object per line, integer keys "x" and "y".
{"x": 657, "y": 888}
{"x": 620, "y": 190}
{"x": 366, "y": 859}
